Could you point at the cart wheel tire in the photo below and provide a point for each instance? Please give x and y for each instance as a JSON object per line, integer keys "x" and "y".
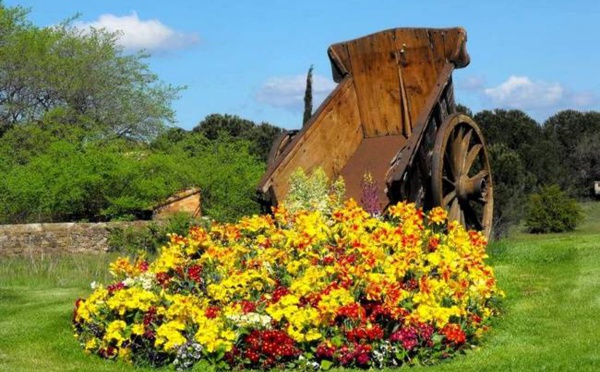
{"x": 279, "y": 145}
{"x": 461, "y": 177}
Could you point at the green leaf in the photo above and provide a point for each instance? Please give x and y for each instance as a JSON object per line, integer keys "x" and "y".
{"x": 326, "y": 364}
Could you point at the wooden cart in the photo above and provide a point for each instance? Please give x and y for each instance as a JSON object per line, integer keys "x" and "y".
{"x": 393, "y": 114}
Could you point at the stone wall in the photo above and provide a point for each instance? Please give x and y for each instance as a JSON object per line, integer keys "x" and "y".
{"x": 54, "y": 238}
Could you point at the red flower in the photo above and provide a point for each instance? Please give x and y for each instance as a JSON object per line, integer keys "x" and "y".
{"x": 407, "y": 336}
{"x": 248, "y": 306}
{"x": 143, "y": 265}
{"x": 352, "y": 311}
{"x": 195, "y": 272}
{"x": 433, "y": 244}
{"x": 454, "y": 334}
{"x": 325, "y": 351}
{"x": 115, "y": 287}
{"x": 212, "y": 312}
{"x": 163, "y": 278}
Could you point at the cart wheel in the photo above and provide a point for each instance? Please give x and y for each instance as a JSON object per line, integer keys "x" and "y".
{"x": 461, "y": 176}
{"x": 279, "y": 145}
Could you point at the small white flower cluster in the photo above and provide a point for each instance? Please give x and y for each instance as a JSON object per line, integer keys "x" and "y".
{"x": 145, "y": 280}
{"x": 308, "y": 364}
{"x": 251, "y": 319}
{"x": 384, "y": 354}
{"x": 188, "y": 354}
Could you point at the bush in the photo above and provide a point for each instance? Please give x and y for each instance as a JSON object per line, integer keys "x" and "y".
{"x": 314, "y": 192}
{"x": 309, "y": 290}
{"x": 552, "y": 211}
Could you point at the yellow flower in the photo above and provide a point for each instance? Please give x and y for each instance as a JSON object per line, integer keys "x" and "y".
{"x": 91, "y": 345}
{"x": 114, "y": 332}
{"x": 168, "y": 335}
{"x": 137, "y": 329}
{"x": 437, "y": 215}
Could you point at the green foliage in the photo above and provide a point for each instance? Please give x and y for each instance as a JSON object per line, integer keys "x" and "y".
{"x": 520, "y": 133}
{"x": 91, "y": 181}
{"x": 83, "y": 74}
{"x": 138, "y": 239}
{"x": 314, "y": 192}
{"x": 260, "y": 136}
{"x": 552, "y": 211}
{"x": 574, "y": 135}
{"x": 49, "y": 175}
{"x": 227, "y": 173}
{"x": 510, "y": 187}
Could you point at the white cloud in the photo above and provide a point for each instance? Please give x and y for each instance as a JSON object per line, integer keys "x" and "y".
{"x": 523, "y": 93}
{"x": 288, "y": 91}
{"x": 138, "y": 34}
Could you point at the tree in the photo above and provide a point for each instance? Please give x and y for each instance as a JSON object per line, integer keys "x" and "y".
{"x": 227, "y": 173}
{"x": 80, "y": 76}
{"x": 260, "y": 136}
{"x": 308, "y": 104}
{"x": 510, "y": 187}
{"x": 573, "y": 134}
{"x": 586, "y": 159}
{"x": 214, "y": 125}
{"x": 525, "y": 136}
{"x": 464, "y": 109}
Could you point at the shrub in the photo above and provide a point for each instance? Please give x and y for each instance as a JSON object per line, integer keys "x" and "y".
{"x": 308, "y": 289}
{"x": 551, "y": 210}
{"x": 314, "y": 192}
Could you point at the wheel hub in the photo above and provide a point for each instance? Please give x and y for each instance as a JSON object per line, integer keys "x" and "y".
{"x": 471, "y": 188}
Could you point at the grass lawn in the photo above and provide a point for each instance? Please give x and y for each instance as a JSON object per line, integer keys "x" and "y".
{"x": 551, "y": 319}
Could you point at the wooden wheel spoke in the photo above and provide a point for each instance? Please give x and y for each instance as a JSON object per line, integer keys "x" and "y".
{"x": 464, "y": 148}
{"x": 480, "y": 175}
{"x": 471, "y": 216}
{"x": 471, "y": 156}
{"x": 455, "y": 155}
{"x": 448, "y": 180}
{"x": 454, "y": 214}
{"x": 448, "y": 198}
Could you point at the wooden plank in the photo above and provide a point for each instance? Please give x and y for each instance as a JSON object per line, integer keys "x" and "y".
{"x": 328, "y": 142}
{"x": 374, "y": 68}
{"x": 417, "y": 66}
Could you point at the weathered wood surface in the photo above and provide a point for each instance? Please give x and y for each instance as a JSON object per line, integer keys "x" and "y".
{"x": 389, "y": 84}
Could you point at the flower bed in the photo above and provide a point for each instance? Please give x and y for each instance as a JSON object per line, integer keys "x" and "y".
{"x": 306, "y": 289}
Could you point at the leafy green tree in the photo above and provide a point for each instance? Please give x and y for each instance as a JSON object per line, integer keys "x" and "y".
{"x": 227, "y": 173}
{"x": 214, "y": 125}
{"x": 572, "y": 133}
{"x": 510, "y": 188}
{"x": 525, "y": 136}
{"x": 586, "y": 159}
{"x": 260, "y": 136}
{"x": 84, "y": 74}
{"x": 464, "y": 109}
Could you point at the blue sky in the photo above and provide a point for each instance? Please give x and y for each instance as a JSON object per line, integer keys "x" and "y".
{"x": 250, "y": 58}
